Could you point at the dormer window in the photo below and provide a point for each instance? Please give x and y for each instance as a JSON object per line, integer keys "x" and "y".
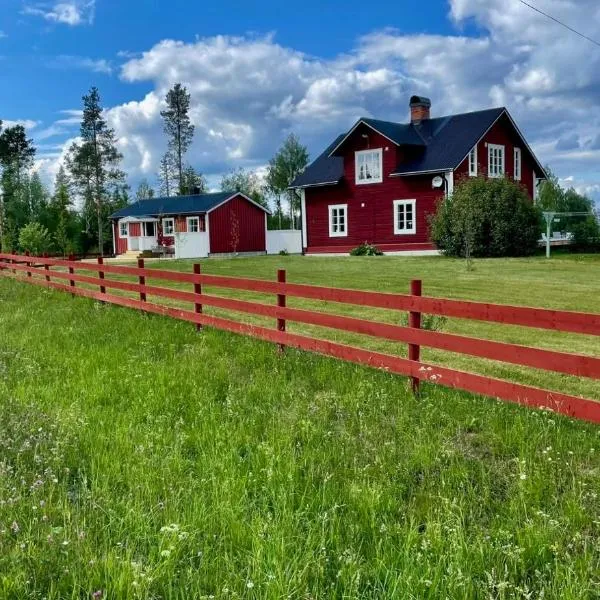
{"x": 368, "y": 166}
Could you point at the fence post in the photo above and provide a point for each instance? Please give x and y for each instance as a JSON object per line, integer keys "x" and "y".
{"x": 101, "y": 276}
{"x": 198, "y": 292}
{"x": 414, "y": 320}
{"x": 281, "y": 304}
{"x": 47, "y": 268}
{"x": 71, "y": 271}
{"x": 28, "y": 263}
{"x": 142, "y": 279}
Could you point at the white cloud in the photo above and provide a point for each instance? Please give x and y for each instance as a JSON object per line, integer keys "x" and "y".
{"x": 27, "y": 123}
{"x": 249, "y": 92}
{"x": 69, "y": 12}
{"x": 68, "y": 61}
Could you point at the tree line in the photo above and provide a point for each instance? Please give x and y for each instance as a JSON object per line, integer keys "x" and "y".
{"x": 90, "y": 184}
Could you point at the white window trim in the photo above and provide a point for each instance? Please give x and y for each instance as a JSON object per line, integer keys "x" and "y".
{"x": 189, "y": 220}
{"x": 368, "y": 181}
{"x": 121, "y": 231}
{"x": 503, "y": 170}
{"x": 172, "y": 220}
{"x": 332, "y": 207}
{"x": 517, "y": 152}
{"x": 413, "y": 229}
{"x": 473, "y": 171}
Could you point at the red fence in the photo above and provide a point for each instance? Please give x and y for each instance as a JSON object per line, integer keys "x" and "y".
{"x": 38, "y": 270}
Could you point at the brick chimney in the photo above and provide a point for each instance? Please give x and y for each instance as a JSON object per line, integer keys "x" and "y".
{"x": 419, "y": 108}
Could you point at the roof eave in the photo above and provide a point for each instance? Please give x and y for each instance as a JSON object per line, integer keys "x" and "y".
{"x": 307, "y": 185}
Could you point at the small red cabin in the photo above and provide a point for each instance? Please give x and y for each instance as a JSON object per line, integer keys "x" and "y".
{"x": 192, "y": 226}
{"x": 380, "y": 181}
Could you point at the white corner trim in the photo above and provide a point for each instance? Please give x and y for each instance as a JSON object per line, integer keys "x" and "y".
{"x": 303, "y": 217}
{"x": 450, "y": 179}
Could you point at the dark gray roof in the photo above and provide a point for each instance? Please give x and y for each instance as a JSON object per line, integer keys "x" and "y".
{"x": 323, "y": 170}
{"x": 448, "y": 140}
{"x": 174, "y": 205}
{"x": 438, "y": 144}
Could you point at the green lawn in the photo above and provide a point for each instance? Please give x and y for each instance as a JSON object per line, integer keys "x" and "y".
{"x": 142, "y": 459}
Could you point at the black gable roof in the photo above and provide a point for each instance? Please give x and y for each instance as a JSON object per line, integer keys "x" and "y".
{"x": 449, "y": 140}
{"x": 439, "y": 144}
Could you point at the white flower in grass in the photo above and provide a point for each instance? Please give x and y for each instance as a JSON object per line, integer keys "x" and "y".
{"x": 250, "y": 585}
{"x": 165, "y": 553}
{"x": 523, "y": 476}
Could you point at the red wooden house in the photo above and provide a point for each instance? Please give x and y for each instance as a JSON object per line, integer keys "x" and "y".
{"x": 380, "y": 181}
{"x": 192, "y": 226}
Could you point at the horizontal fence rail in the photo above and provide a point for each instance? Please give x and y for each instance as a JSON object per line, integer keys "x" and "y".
{"x": 38, "y": 270}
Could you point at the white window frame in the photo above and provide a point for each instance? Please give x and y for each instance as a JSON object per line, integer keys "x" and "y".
{"x": 360, "y": 153}
{"x": 189, "y": 224}
{"x": 473, "y": 162}
{"x": 413, "y": 204}
{"x": 502, "y": 160}
{"x": 121, "y": 235}
{"x": 164, "y": 226}
{"x": 333, "y": 207}
{"x": 517, "y": 155}
{"x": 145, "y": 228}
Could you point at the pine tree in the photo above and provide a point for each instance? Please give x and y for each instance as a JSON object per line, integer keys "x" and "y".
{"x": 245, "y": 182}
{"x": 178, "y": 127}
{"x": 60, "y": 210}
{"x": 96, "y": 160}
{"x": 193, "y": 182}
{"x": 165, "y": 174}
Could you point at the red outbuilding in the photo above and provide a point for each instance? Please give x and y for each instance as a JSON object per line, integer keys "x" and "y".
{"x": 380, "y": 181}
{"x": 192, "y": 226}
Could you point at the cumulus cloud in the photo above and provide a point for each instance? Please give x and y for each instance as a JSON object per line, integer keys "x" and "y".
{"x": 72, "y": 12}
{"x": 249, "y": 92}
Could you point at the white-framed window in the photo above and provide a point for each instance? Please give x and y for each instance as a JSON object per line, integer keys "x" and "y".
{"x": 405, "y": 217}
{"x": 193, "y": 224}
{"x": 473, "y": 162}
{"x": 517, "y": 156}
{"x": 495, "y": 160}
{"x": 123, "y": 230}
{"x": 368, "y": 166}
{"x": 338, "y": 220}
{"x": 148, "y": 229}
{"x": 168, "y": 226}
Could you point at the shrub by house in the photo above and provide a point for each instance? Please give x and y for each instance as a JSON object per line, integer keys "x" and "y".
{"x": 487, "y": 218}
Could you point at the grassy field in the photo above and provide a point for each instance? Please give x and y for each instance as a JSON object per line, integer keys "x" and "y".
{"x": 567, "y": 282}
{"x": 142, "y": 459}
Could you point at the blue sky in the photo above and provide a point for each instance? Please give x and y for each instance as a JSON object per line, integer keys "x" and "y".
{"x": 257, "y": 71}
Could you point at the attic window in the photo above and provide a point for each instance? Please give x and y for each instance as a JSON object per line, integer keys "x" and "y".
{"x": 495, "y": 160}
{"x": 368, "y": 166}
{"x": 518, "y": 164}
{"x": 473, "y": 162}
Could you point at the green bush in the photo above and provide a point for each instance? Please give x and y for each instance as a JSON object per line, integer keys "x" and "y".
{"x": 485, "y": 218}
{"x": 35, "y": 238}
{"x": 366, "y": 249}
{"x": 586, "y": 235}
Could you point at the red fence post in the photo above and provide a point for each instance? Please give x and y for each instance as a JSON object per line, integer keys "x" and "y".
{"x": 47, "y": 268}
{"x": 101, "y": 275}
{"x": 71, "y": 271}
{"x": 198, "y": 292}
{"x": 28, "y": 264}
{"x": 281, "y": 303}
{"x": 142, "y": 279}
{"x": 414, "y": 320}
